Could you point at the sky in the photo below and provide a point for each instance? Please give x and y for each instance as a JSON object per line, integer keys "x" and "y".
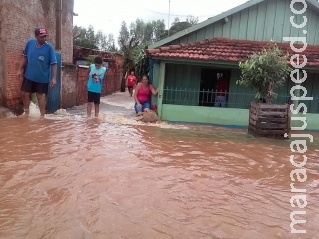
{"x": 107, "y": 15}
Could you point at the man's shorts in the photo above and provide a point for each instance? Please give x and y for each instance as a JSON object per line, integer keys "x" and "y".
{"x": 34, "y": 87}
{"x": 94, "y": 97}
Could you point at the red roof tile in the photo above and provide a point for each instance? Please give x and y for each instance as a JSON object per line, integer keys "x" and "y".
{"x": 228, "y": 50}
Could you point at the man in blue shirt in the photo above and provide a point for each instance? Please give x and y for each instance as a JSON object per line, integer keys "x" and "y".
{"x": 96, "y": 74}
{"x": 38, "y": 58}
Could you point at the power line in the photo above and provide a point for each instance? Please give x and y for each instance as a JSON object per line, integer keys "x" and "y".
{"x": 175, "y": 15}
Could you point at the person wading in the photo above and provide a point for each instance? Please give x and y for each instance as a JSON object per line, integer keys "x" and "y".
{"x": 38, "y": 59}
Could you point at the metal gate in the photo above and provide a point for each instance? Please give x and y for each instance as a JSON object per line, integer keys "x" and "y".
{"x": 54, "y": 94}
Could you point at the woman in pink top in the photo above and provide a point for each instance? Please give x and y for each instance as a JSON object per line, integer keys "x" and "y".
{"x": 142, "y": 95}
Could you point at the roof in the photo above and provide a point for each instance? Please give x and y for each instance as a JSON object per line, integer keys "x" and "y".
{"x": 227, "y": 50}
{"x": 313, "y": 3}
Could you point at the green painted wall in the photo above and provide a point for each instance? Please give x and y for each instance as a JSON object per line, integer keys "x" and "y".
{"x": 206, "y": 115}
{"x": 262, "y": 22}
{"x": 221, "y": 116}
{"x": 182, "y": 78}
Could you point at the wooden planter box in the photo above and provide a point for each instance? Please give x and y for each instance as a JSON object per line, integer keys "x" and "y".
{"x": 269, "y": 120}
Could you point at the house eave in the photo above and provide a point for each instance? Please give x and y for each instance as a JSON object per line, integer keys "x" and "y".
{"x": 224, "y": 64}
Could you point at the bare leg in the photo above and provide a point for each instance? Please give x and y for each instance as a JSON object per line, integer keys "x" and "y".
{"x": 130, "y": 90}
{"x": 97, "y": 110}
{"x": 26, "y": 101}
{"x": 41, "y": 101}
{"x": 89, "y": 109}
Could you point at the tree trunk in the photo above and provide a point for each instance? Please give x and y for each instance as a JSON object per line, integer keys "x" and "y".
{"x": 269, "y": 95}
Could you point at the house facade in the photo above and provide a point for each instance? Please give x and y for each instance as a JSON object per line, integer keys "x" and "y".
{"x": 188, "y": 66}
{"x": 17, "y": 22}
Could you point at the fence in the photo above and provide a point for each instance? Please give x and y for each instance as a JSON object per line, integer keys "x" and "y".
{"x": 184, "y": 96}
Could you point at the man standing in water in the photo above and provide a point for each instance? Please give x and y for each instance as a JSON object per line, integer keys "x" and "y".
{"x": 38, "y": 58}
{"x": 96, "y": 75}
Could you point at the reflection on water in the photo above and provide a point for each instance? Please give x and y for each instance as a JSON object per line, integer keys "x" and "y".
{"x": 113, "y": 177}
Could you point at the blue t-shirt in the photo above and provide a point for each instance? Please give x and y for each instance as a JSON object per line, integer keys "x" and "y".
{"x": 39, "y": 60}
{"x": 96, "y": 86}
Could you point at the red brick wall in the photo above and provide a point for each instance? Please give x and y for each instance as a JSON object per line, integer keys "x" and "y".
{"x": 17, "y": 22}
{"x": 111, "y": 83}
{"x": 82, "y": 78}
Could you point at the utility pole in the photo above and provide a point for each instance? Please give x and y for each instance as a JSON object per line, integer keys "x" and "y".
{"x": 169, "y": 15}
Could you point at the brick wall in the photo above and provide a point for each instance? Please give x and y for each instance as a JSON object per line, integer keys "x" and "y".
{"x": 111, "y": 83}
{"x": 69, "y": 86}
{"x": 17, "y": 22}
{"x": 82, "y": 78}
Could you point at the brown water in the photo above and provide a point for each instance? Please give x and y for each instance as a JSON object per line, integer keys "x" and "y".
{"x": 65, "y": 177}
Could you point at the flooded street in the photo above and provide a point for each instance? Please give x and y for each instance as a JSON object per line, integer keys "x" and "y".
{"x": 114, "y": 177}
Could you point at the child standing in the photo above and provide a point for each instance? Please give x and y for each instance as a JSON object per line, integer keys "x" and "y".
{"x": 96, "y": 75}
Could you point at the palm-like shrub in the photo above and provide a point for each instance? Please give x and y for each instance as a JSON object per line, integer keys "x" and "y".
{"x": 265, "y": 71}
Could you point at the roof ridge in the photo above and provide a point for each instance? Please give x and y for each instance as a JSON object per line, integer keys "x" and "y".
{"x": 227, "y": 50}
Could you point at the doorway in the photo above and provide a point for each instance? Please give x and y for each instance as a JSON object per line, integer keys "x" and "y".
{"x": 208, "y": 84}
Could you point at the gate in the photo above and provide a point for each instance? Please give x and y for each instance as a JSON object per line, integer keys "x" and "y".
{"x": 54, "y": 94}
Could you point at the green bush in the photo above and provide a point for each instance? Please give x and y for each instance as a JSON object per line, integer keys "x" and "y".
{"x": 265, "y": 71}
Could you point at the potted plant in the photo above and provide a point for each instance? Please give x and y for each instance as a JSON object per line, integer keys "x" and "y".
{"x": 264, "y": 72}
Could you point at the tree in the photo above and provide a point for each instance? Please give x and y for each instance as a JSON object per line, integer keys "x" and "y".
{"x": 89, "y": 39}
{"x": 127, "y": 43}
{"x": 111, "y": 44}
{"x": 178, "y": 26}
{"x": 265, "y": 71}
{"x": 158, "y": 29}
{"x": 192, "y": 20}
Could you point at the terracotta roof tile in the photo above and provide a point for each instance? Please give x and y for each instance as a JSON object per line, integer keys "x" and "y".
{"x": 228, "y": 50}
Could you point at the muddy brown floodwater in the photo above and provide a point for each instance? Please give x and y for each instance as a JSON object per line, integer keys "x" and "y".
{"x": 68, "y": 177}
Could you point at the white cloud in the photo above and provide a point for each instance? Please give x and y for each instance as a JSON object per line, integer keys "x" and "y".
{"x": 107, "y": 16}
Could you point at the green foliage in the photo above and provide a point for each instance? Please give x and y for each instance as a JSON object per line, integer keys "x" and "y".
{"x": 178, "y": 26}
{"x": 90, "y": 59}
{"x": 89, "y": 39}
{"x": 265, "y": 71}
{"x": 134, "y": 39}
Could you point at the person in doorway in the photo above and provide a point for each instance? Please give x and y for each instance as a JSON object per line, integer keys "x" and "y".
{"x": 222, "y": 88}
{"x": 142, "y": 95}
{"x": 131, "y": 82}
{"x": 37, "y": 61}
{"x": 96, "y": 73}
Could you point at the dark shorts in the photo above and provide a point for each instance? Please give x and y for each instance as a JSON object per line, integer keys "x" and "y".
{"x": 94, "y": 97}
{"x": 130, "y": 87}
{"x": 34, "y": 87}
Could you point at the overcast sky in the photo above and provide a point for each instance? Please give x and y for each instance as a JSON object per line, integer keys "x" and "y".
{"x": 107, "y": 15}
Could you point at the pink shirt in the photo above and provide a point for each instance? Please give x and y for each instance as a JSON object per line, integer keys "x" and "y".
{"x": 144, "y": 94}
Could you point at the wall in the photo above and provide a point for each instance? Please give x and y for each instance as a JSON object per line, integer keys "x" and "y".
{"x": 262, "y": 22}
{"x": 221, "y": 116}
{"x": 18, "y": 20}
{"x": 82, "y": 78}
{"x": 182, "y": 77}
{"x": 69, "y": 86}
{"x": 2, "y": 52}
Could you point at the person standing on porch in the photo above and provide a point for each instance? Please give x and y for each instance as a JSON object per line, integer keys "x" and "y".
{"x": 131, "y": 82}
{"x": 96, "y": 73}
{"x": 38, "y": 58}
{"x": 222, "y": 88}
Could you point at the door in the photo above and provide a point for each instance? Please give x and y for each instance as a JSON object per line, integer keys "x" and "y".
{"x": 54, "y": 94}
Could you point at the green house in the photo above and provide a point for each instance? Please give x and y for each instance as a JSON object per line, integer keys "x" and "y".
{"x": 188, "y": 67}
